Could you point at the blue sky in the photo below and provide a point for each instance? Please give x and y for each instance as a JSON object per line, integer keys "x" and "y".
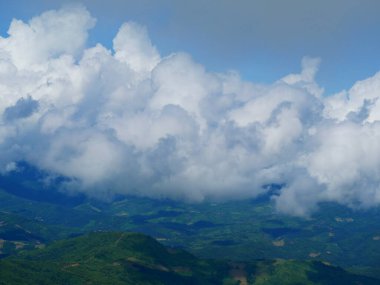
{"x": 262, "y": 40}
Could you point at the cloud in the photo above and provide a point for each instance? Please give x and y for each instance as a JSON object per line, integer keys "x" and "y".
{"x": 49, "y": 35}
{"x": 131, "y": 121}
{"x": 132, "y": 46}
{"x": 361, "y": 99}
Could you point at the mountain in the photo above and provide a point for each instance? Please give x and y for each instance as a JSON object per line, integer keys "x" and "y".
{"x": 35, "y": 185}
{"x": 243, "y": 230}
{"x": 132, "y": 258}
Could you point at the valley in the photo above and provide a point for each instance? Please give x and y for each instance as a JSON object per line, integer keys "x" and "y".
{"x": 238, "y": 230}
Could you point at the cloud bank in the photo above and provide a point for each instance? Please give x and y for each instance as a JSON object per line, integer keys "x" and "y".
{"x": 131, "y": 121}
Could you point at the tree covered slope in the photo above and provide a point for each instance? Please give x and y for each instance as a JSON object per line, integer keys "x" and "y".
{"x": 131, "y": 258}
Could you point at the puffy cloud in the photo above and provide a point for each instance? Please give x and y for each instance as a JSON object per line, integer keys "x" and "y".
{"x": 133, "y": 46}
{"x": 361, "y": 101}
{"x": 128, "y": 121}
{"x": 347, "y": 162}
{"x": 306, "y": 79}
{"x": 49, "y": 35}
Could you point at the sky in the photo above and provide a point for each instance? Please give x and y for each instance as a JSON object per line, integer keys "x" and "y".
{"x": 150, "y": 100}
{"x": 262, "y": 39}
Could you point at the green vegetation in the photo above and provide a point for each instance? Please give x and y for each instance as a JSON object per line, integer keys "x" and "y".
{"x": 238, "y": 230}
{"x": 130, "y": 258}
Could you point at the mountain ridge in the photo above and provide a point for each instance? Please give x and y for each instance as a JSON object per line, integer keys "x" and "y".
{"x": 135, "y": 258}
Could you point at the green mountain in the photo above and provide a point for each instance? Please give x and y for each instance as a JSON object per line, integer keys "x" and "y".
{"x": 242, "y": 230}
{"x": 130, "y": 258}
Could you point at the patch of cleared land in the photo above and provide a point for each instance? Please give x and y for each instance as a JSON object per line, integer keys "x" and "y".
{"x": 280, "y": 242}
{"x": 342, "y": 220}
{"x": 239, "y": 273}
{"x": 314, "y": 254}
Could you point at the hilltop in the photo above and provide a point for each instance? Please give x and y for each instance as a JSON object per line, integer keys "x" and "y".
{"x": 132, "y": 258}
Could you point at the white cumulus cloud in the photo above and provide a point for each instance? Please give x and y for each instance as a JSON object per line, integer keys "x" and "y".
{"x": 131, "y": 121}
